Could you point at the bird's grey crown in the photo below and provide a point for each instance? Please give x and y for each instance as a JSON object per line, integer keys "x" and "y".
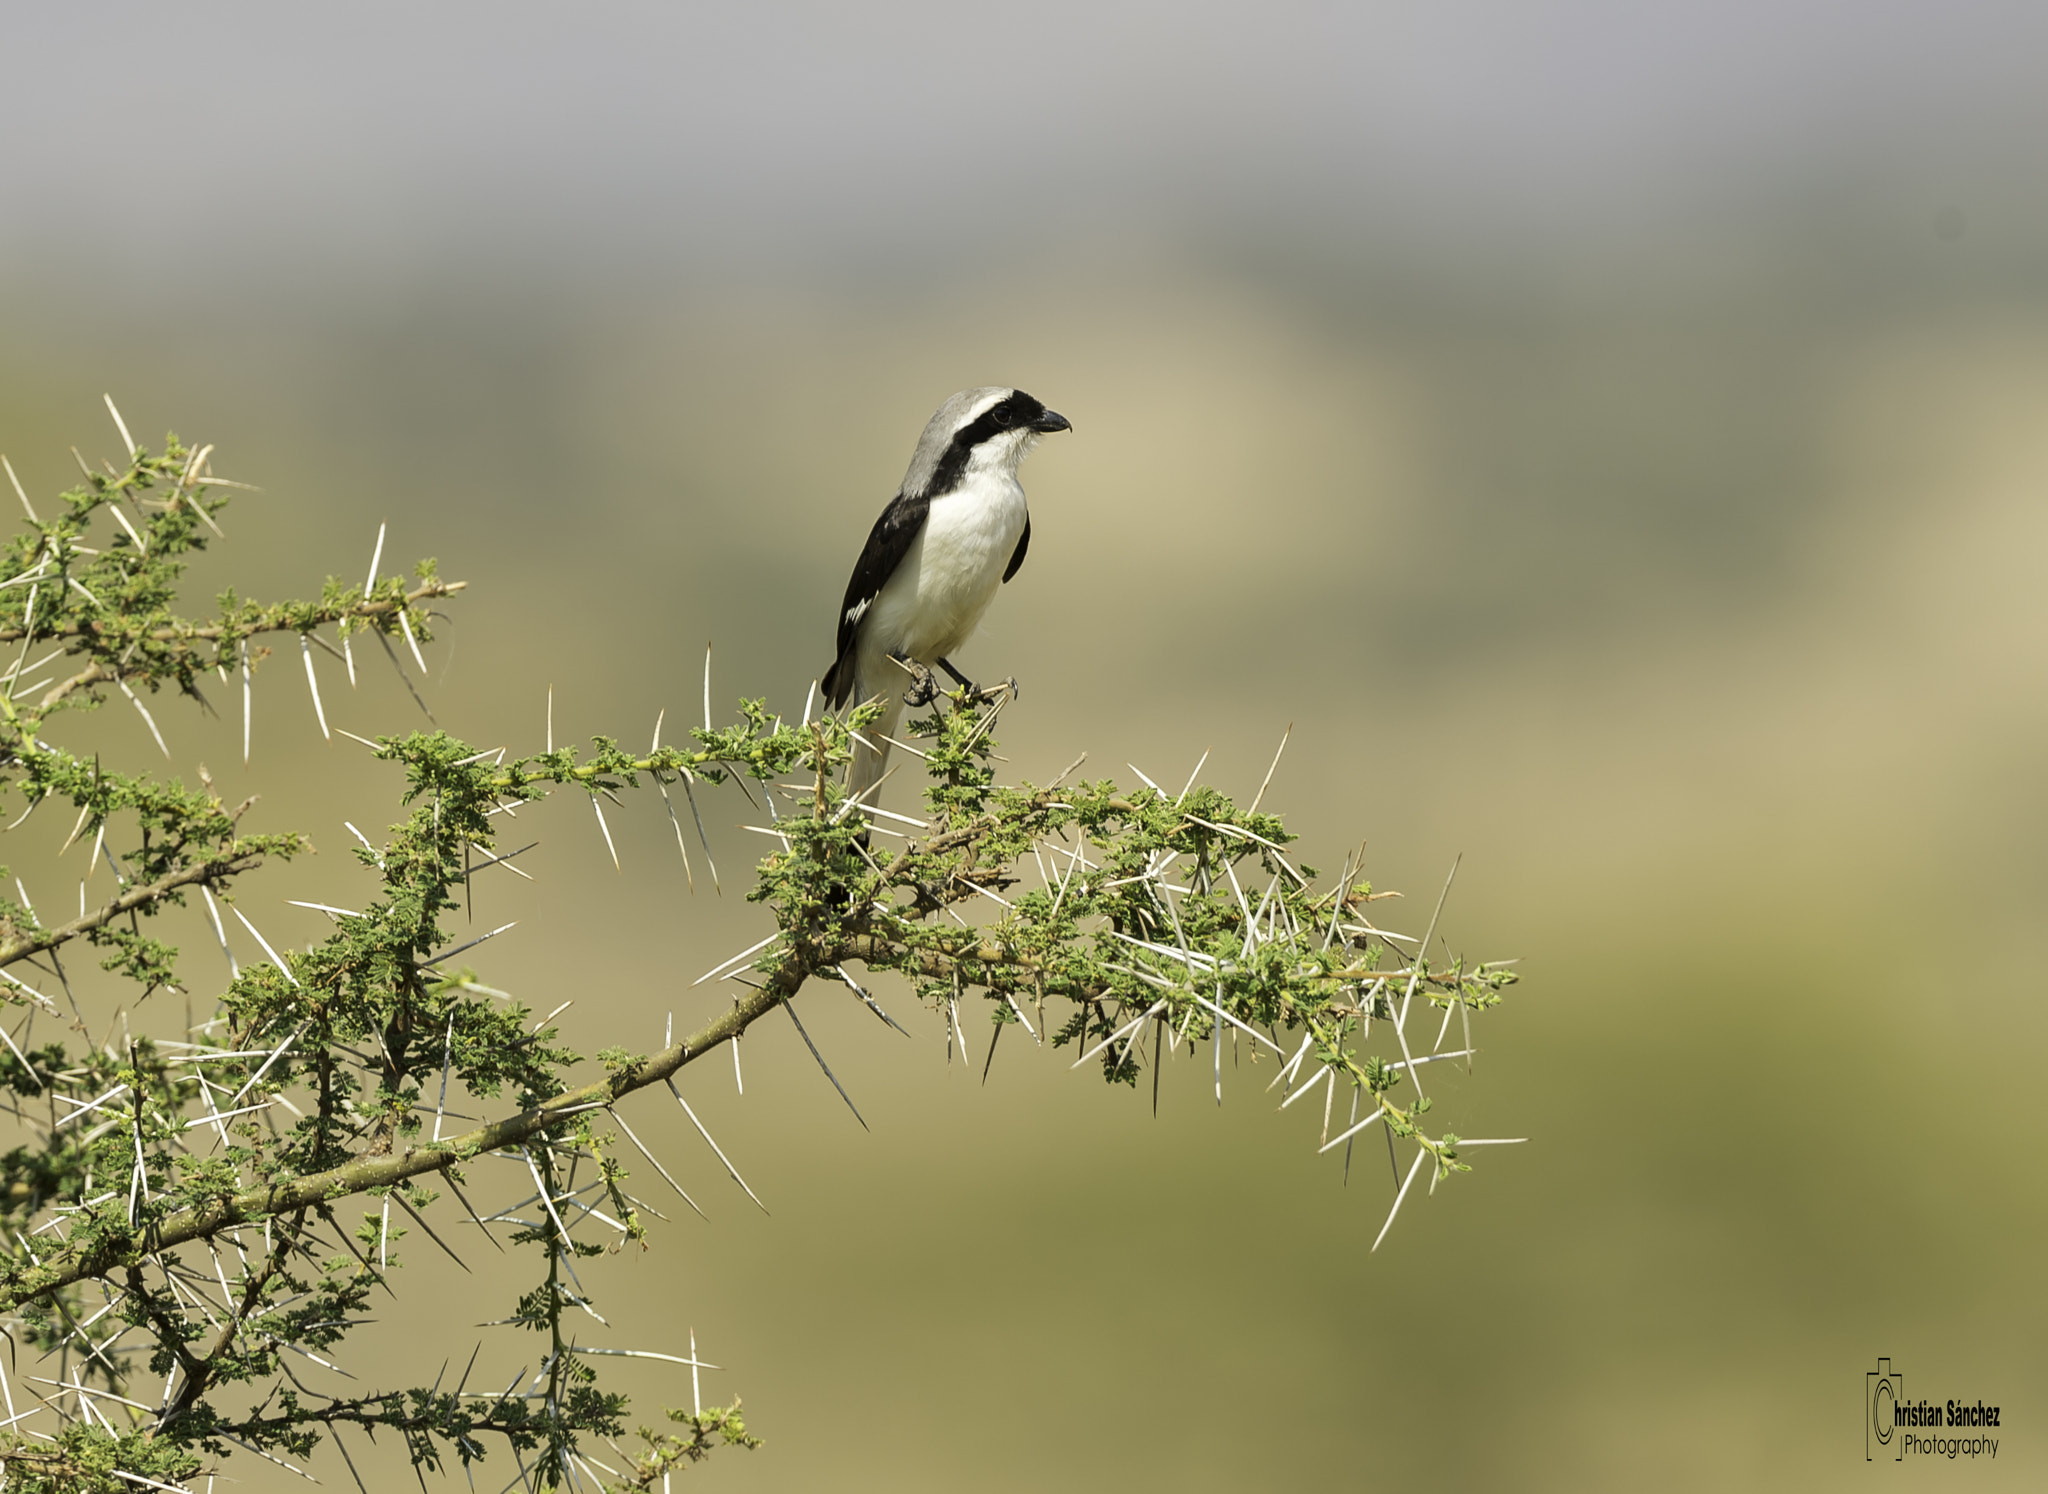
{"x": 955, "y": 415}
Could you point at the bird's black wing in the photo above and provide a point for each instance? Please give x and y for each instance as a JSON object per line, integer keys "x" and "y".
{"x": 1017, "y": 555}
{"x": 888, "y": 542}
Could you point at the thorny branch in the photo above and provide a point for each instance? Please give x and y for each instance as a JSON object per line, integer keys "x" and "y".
{"x": 1162, "y": 923}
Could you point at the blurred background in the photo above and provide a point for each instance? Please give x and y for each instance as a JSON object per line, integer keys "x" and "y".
{"x": 1612, "y": 436}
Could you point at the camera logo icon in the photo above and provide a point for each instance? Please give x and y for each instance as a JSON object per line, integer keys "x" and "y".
{"x": 1882, "y": 1388}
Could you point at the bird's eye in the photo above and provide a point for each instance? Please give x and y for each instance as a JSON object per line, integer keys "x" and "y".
{"x": 1002, "y": 416}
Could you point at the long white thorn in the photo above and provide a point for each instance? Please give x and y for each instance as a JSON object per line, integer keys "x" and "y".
{"x": 405, "y": 627}
{"x": 1377, "y": 1115}
{"x": 786, "y": 1006}
{"x": 1251, "y": 1032}
{"x": 1259, "y": 797}
{"x": 141, "y": 545}
{"x": 472, "y": 944}
{"x": 658, "y": 1168}
{"x": 594, "y": 804}
{"x": 21, "y": 493}
{"x": 712, "y": 1144}
{"x": 1022, "y": 1018}
{"x": 220, "y": 932}
{"x": 1218, "y": 1046}
{"x": 1420, "y": 1153}
{"x": 547, "y": 1202}
{"x": 275, "y": 1054}
{"x": 149, "y": 720}
{"x": 1150, "y": 1012}
{"x": 120, "y": 425}
{"x": 873, "y": 1005}
{"x": 959, "y": 1032}
{"x": 702, "y": 839}
{"x": 1306, "y": 1089}
{"x": 1293, "y": 1065}
{"x": 283, "y": 969}
{"x": 313, "y": 684}
{"x": 724, "y": 965}
{"x": 1415, "y": 977}
{"x": 681, "y": 845}
{"x": 447, "y": 1061}
{"x": 376, "y": 557}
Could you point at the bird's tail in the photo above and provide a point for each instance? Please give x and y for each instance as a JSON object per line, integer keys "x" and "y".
{"x": 870, "y": 762}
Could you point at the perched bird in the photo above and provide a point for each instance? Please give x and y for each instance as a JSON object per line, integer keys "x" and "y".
{"x": 955, "y": 531}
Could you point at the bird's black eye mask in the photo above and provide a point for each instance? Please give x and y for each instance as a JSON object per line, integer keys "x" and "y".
{"x": 1006, "y": 414}
{"x": 1017, "y": 412}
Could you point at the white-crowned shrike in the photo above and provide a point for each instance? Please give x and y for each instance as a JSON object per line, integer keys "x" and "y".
{"x": 955, "y": 531}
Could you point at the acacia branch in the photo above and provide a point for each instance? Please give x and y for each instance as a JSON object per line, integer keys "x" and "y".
{"x": 234, "y": 863}
{"x": 937, "y": 959}
{"x": 100, "y": 672}
{"x": 97, "y": 1258}
{"x": 272, "y": 622}
{"x": 199, "y": 1380}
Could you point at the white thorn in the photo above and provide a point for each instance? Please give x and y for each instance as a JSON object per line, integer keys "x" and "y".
{"x": 313, "y": 684}
{"x": 282, "y": 968}
{"x": 594, "y": 804}
{"x": 405, "y": 627}
{"x": 19, "y": 491}
{"x": 1420, "y": 1153}
{"x": 136, "y": 701}
{"x": 376, "y": 556}
{"x": 1259, "y": 797}
{"x": 120, "y": 425}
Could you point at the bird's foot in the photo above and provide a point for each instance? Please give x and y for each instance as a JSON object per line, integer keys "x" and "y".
{"x": 958, "y": 678}
{"x": 1002, "y": 688}
{"x": 924, "y": 688}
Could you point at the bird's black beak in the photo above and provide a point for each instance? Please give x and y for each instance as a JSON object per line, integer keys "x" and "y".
{"x": 1052, "y": 421}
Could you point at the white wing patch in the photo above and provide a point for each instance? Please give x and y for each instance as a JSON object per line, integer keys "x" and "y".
{"x": 859, "y": 609}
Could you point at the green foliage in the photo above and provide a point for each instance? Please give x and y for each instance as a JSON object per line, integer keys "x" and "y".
{"x": 177, "y": 1208}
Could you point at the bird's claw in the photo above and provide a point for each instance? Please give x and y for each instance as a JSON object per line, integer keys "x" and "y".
{"x": 924, "y": 691}
{"x": 924, "y": 687}
{"x": 972, "y": 691}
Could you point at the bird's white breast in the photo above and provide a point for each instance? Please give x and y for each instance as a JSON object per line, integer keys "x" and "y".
{"x": 936, "y": 598}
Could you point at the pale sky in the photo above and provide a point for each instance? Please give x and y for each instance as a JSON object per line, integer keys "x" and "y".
{"x": 911, "y": 132}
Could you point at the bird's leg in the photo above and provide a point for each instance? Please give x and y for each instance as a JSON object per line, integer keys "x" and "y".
{"x": 1002, "y": 687}
{"x": 958, "y": 678}
{"x": 924, "y": 690}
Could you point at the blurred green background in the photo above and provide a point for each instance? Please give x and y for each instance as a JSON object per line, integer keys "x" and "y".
{"x": 1614, "y": 438}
